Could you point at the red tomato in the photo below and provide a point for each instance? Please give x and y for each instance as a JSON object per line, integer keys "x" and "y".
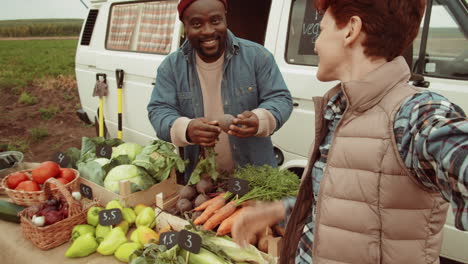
{"x": 61, "y": 180}
{"x": 45, "y": 171}
{"x": 67, "y": 173}
{"x": 28, "y": 186}
{"x": 15, "y": 178}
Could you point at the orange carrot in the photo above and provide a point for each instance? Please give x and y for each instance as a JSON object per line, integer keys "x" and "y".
{"x": 221, "y": 215}
{"x": 205, "y": 205}
{"x": 218, "y": 202}
{"x": 225, "y": 226}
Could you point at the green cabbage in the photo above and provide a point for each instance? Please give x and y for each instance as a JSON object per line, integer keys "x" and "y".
{"x": 102, "y": 161}
{"x": 139, "y": 179}
{"x": 129, "y": 149}
{"x": 158, "y": 159}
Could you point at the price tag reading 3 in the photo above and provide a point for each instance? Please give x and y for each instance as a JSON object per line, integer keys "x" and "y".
{"x": 104, "y": 151}
{"x": 169, "y": 239}
{"x": 190, "y": 241}
{"x": 61, "y": 159}
{"x": 110, "y": 217}
{"x": 238, "y": 186}
{"x": 86, "y": 191}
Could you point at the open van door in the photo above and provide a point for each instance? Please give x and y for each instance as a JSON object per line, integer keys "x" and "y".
{"x": 441, "y": 62}
{"x": 441, "y": 50}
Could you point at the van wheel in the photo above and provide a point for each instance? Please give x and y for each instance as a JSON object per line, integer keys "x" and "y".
{"x": 297, "y": 171}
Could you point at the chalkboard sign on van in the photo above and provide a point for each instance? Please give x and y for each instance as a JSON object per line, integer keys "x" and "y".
{"x": 310, "y": 29}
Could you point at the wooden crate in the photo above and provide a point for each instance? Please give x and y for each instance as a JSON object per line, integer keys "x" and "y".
{"x": 167, "y": 187}
{"x": 163, "y": 219}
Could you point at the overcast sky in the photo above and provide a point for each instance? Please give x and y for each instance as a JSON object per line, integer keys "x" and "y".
{"x": 32, "y": 9}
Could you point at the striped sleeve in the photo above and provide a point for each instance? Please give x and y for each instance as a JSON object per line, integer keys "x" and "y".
{"x": 432, "y": 137}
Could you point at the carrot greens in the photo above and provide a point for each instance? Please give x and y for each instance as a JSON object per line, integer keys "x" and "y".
{"x": 267, "y": 183}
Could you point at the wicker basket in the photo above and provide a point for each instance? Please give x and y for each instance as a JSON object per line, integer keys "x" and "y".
{"x": 54, "y": 235}
{"x": 25, "y": 198}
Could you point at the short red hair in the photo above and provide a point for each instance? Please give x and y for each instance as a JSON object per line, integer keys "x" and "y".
{"x": 390, "y": 25}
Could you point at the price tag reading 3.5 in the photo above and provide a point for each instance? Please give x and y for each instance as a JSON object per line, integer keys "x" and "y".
{"x": 238, "y": 186}
{"x": 61, "y": 159}
{"x": 86, "y": 191}
{"x": 104, "y": 151}
{"x": 190, "y": 241}
{"x": 110, "y": 217}
{"x": 169, "y": 239}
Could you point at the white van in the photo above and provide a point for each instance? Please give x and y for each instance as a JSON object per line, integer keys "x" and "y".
{"x": 135, "y": 36}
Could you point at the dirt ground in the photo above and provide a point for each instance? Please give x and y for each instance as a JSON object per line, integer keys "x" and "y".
{"x": 64, "y": 129}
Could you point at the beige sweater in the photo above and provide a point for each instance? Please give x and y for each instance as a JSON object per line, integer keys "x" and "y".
{"x": 211, "y": 75}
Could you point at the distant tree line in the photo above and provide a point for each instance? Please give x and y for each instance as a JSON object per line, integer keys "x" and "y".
{"x": 40, "y": 29}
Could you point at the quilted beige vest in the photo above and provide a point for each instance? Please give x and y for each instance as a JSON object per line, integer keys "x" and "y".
{"x": 370, "y": 209}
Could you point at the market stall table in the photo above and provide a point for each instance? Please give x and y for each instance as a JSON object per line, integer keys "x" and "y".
{"x": 15, "y": 249}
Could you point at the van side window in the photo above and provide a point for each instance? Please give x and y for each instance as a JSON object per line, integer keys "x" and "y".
{"x": 142, "y": 27}
{"x": 304, "y": 28}
{"x": 447, "y": 43}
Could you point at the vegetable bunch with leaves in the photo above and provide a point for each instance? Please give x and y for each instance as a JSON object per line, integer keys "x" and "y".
{"x": 214, "y": 250}
{"x": 206, "y": 167}
{"x": 158, "y": 159}
{"x": 266, "y": 184}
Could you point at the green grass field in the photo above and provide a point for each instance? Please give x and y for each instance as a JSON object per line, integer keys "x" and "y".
{"x": 40, "y": 27}
{"x": 22, "y": 61}
{"x": 39, "y": 21}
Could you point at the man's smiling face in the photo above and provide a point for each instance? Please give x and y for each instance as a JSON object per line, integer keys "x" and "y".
{"x": 206, "y": 28}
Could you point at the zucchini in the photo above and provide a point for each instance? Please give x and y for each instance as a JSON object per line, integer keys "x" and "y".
{"x": 9, "y": 211}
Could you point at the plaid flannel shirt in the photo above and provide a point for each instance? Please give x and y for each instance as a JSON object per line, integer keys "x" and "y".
{"x": 432, "y": 137}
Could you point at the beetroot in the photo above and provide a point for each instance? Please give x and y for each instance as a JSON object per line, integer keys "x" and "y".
{"x": 201, "y": 198}
{"x": 184, "y": 205}
{"x": 187, "y": 192}
{"x": 205, "y": 186}
{"x": 196, "y": 214}
{"x": 225, "y": 122}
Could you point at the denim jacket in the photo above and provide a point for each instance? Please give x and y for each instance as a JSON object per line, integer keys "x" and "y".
{"x": 251, "y": 79}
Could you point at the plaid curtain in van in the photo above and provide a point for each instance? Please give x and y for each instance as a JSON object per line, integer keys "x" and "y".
{"x": 123, "y": 21}
{"x": 156, "y": 26}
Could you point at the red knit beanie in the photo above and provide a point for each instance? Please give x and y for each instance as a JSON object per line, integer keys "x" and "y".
{"x": 186, "y": 3}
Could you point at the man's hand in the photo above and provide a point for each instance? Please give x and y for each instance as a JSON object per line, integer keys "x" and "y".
{"x": 245, "y": 125}
{"x": 203, "y": 132}
{"x": 255, "y": 219}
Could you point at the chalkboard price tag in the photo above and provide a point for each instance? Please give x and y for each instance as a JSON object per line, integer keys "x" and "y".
{"x": 190, "y": 241}
{"x": 169, "y": 239}
{"x": 61, "y": 159}
{"x": 110, "y": 217}
{"x": 86, "y": 191}
{"x": 238, "y": 186}
{"x": 104, "y": 151}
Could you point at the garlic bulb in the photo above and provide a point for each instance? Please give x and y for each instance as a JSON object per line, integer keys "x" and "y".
{"x": 38, "y": 220}
{"x": 76, "y": 195}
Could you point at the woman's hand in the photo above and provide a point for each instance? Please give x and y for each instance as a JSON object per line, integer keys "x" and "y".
{"x": 255, "y": 219}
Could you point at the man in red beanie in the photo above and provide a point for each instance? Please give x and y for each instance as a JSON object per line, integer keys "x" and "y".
{"x": 185, "y": 3}
{"x": 212, "y": 74}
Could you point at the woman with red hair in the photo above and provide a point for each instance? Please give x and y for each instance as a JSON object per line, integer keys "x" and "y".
{"x": 387, "y": 157}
